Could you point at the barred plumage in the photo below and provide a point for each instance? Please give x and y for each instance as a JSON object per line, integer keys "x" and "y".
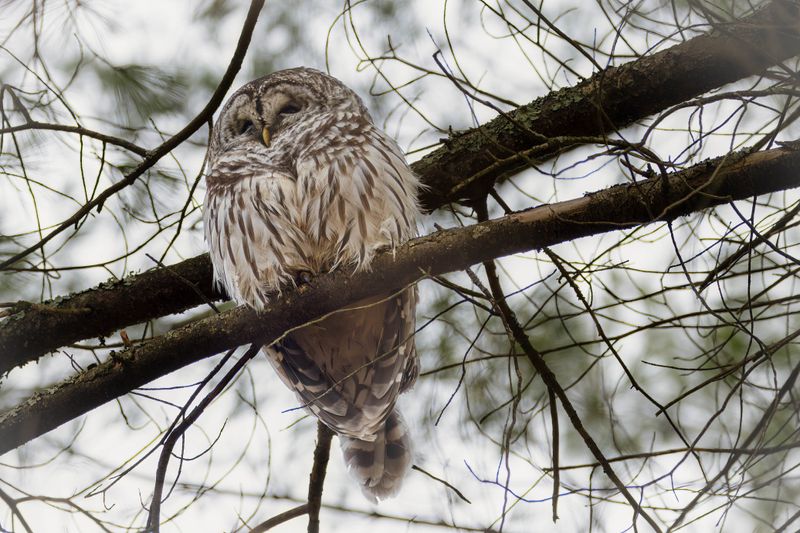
{"x": 300, "y": 180}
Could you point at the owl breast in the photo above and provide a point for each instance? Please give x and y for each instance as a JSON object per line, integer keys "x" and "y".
{"x": 345, "y": 194}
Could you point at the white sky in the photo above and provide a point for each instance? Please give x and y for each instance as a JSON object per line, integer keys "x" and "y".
{"x": 254, "y": 452}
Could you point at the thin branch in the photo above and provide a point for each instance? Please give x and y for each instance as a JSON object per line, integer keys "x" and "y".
{"x": 559, "y": 264}
{"x": 173, "y": 142}
{"x": 180, "y": 416}
{"x": 699, "y": 449}
{"x": 12, "y": 504}
{"x": 279, "y": 519}
{"x": 556, "y": 470}
{"x": 316, "y": 480}
{"x": 757, "y": 431}
{"x": 154, "y": 517}
{"x": 374, "y": 516}
{"x": 549, "y": 379}
{"x": 79, "y": 130}
{"x": 442, "y": 481}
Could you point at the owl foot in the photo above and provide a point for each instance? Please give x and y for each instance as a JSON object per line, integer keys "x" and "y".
{"x": 303, "y": 278}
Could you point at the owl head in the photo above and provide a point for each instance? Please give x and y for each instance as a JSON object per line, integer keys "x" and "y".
{"x": 263, "y": 116}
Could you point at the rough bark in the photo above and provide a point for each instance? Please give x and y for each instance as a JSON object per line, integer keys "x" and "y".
{"x": 468, "y": 163}
{"x": 616, "y": 97}
{"x": 38, "y": 329}
{"x": 707, "y": 184}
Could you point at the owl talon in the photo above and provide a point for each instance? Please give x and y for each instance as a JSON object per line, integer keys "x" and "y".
{"x": 303, "y": 277}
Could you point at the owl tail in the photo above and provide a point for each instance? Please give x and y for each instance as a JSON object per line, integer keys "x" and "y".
{"x": 380, "y": 466}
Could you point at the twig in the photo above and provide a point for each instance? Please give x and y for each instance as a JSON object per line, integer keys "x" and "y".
{"x": 549, "y": 379}
{"x": 181, "y": 414}
{"x": 559, "y": 264}
{"x": 556, "y": 469}
{"x": 658, "y": 453}
{"x": 442, "y": 481}
{"x": 757, "y": 431}
{"x": 186, "y": 282}
{"x": 786, "y": 524}
{"x": 373, "y": 516}
{"x": 153, "y": 519}
{"x": 163, "y": 149}
{"x": 85, "y": 132}
{"x": 576, "y": 45}
{"x": 12, "y": 504}
{"x": 726, "y": 264}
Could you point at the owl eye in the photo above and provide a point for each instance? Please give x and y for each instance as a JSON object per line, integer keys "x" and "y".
{"x": 289, "y": 109}
{"x": 246, "y": 126}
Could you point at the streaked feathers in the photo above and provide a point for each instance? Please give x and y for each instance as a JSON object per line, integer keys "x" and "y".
{"x": 326, "y": 192}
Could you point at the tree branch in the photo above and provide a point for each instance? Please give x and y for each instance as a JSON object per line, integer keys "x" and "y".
{"x": 278, "y": 519}
{"x": 554, "y": 387}
{"x": 35, "y": 329}
{"x": 617, "y": 207}
{"x": 467, "y": 164}
{"x": 316, "y": 480}
{"x": 154, "y": 516}
{"x": 78, "y": 130}
{"x": 471, "y": 162}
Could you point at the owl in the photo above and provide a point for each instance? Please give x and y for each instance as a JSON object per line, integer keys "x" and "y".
{"x": 300, "y": 181}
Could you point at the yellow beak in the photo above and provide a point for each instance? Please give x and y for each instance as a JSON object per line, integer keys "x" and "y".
{"x": 265, "y": 136}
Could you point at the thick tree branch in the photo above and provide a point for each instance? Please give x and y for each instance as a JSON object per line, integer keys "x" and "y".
{"x": 468, "y": 163}
{"x": 618, "y": 207}
{"x": 35, "y": 329}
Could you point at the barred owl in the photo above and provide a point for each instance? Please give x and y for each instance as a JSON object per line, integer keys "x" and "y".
{"x": 300, "y": 181}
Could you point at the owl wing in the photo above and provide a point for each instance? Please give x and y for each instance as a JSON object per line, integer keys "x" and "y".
{"x": 349, "y": 368}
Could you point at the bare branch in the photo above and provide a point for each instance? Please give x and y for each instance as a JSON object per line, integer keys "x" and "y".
{"x": 442, "y": 481}
{"x": 173, "y": 142}
{"x": 279, "y": 519}
{"x": 154, "y": 517}
{"x": 548, "y": 377}
{"x": 757, "y": 431}
{"x": 79, "y": 130}
{"x": 12, "y": 504}
{"x": 316, "y": 480}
